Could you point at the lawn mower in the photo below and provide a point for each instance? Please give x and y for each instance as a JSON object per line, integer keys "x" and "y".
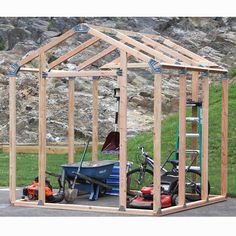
{"x": 169, "y": 195}
{"x": 31, "y": 192}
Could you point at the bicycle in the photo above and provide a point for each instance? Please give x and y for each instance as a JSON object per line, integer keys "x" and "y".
{"x": 143, "y": 176}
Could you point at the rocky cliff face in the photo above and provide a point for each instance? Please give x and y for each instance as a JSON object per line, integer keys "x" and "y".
{"x": 213, "y": 38}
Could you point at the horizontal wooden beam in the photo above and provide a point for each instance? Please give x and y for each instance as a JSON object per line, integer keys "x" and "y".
{"x": 193, "y": 68}
{"x": 95, "y": 58}
{"x": 87, "y": 208}
{"x": 64, "y": 74}
{"x": 73, "y": 52}
{"x": 49, "y": 149}
{"x": 115, "y": 210}
{"x": 168, "y": 66}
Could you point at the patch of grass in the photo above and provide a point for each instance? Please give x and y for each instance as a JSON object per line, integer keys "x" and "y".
{"x": 27, "y": 163}
{"x": 232, "y": 71}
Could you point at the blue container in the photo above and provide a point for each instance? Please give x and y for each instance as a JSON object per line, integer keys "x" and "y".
{"x": 93, "y": 169}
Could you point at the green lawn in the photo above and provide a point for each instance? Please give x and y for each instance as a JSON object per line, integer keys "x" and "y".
{"x": 27, "y": 163}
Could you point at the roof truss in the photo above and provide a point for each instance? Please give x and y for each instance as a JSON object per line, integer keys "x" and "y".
{"x": 150, "y": 50}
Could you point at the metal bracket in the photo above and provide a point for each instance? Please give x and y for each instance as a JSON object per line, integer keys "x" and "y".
{"x": 121, "y": 208}
{"x": 44, "y": 74}
{"x": 177, "y": 63}
{"x": 96, "y": 78}
{"x": 14, "y": 70}
{"x": 71, "y": 78}
{"x": 81, "y": 28}
{"x": 40, "y": 203}
{"x": 155, "y": 66}
{"x": 119, "y": 72}
{"x": 182, "y": 72}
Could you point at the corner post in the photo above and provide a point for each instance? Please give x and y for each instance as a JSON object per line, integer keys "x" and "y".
{"x": 205, "y": 111}
{"x": 224, "y": 138}
{"x": 12, "y": 139}
{"x": 182, "y": 135}
{"x": 71, "y": 118}
{"x": 157, "y": 144}
{"x": 42, "y": 128}
{"x": 95, "y": 119}
{"x": 123, "y": 130}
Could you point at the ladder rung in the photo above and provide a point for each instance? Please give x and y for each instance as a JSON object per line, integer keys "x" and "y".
{"x": 192, "y": 119}
{"x": 191, "y": 151}
{"x": 192, "y": 135}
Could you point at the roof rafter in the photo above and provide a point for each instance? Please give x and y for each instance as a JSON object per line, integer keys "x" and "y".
{"x": 95, "y": 58}
{"x": 73, "y": 52}
{"x": 46, "y": 47}
{"x": 119, "y": 45}
{"x": 158, "y": 55}
{"x": 168, "y": 50}
{"x": 162, "y": 40}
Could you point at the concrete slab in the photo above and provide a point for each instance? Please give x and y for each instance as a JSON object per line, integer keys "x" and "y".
{"x": 227, "y": 208}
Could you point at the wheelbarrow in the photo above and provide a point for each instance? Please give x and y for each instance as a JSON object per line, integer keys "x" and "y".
{"x": 91, "y": 177}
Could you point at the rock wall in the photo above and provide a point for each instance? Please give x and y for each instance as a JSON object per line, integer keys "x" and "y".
{"x": 213, "y": 38}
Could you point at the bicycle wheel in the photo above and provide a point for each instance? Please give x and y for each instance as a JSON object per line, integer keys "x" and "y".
{"x": 136, "y": 179}
{"x": 193, "y": 185}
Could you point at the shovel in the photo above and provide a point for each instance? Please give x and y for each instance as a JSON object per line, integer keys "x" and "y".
{"x": 71, "y": 193}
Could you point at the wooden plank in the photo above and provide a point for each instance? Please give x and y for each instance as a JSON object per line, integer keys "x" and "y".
{"x": 46, "y": 47}
{"x": 42, "y": 130}
{"x": 95, "y": 120}
{"x": 73, "y": 52}
{"x": 62, "y": 74}
{"x": 123, "y": 130}
{"x": 168, "y": 66}
{"x": 182, "y": 137}
{"x": 158, "y": 55}
{"x": 49, "y": 149}
{"x": 87, "y": 208}
{"x": 165, "y": 41}
{"x": 193, "y": 68}
{"x": 205, "y": 107}
{"x": 119, "y": 45}
{"x": 157, "y": 145}
{"x": 95, "y": 58}
{"x": 71, "y": 118}
{"x": 192, "y": 205}
{"x": 12, "y": 139}
{"x": 224, "y": 138}
{"x": 171, "y": 52}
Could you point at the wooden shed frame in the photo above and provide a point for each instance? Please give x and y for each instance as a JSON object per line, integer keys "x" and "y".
{"x": 151, "y": 51}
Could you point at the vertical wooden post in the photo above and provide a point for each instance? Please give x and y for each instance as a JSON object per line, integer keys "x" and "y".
{"x": 12, "y": 138}
{"x": 42, "y": 129}
{"x": 182, "y": 136}
{"x": 71, "y": 118}
{"x": 205, "y": 107}
{"x": 95, "y": 120}
{"x": 195, "y": 77}
{"x": 123, "y": 130}
{"x": 157, "y": 145}
{"x": 224, "y": 138}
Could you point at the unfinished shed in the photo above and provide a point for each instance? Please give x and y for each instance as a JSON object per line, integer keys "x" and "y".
{"x": 152, "y": 52}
